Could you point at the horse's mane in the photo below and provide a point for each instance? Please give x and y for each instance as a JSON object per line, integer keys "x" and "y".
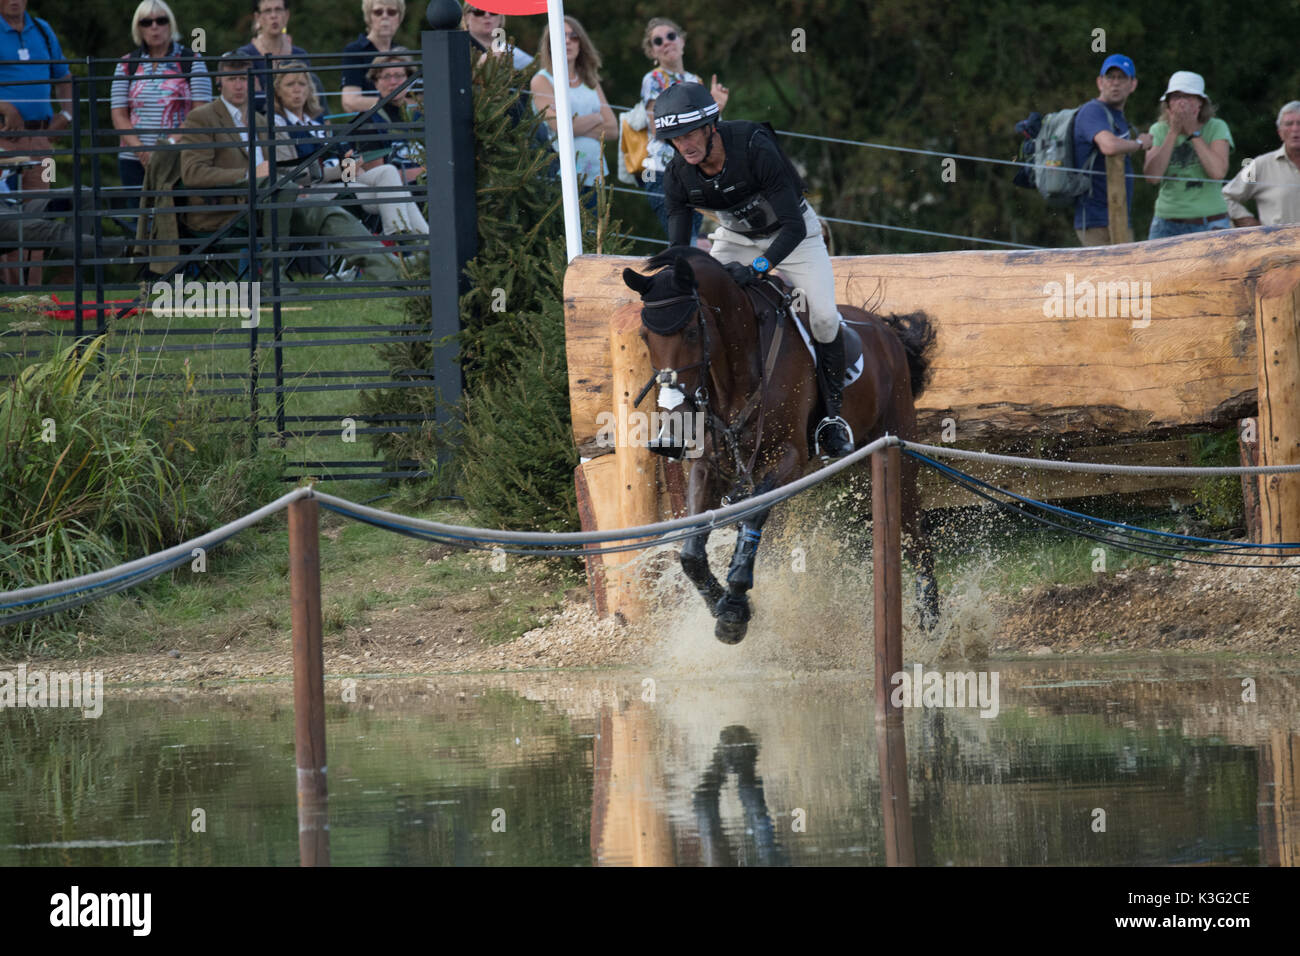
{"x": 670, "y": 256}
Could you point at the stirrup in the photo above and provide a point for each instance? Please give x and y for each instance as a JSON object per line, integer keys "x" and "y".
{"x": 829, "y": 422}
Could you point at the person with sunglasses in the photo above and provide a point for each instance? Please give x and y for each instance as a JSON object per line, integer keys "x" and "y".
{"x": 151, "y": 92}
{"x": 383, "y": 19}
{"x": 664, "y": 43}
{"x": 481, "y": 25}
{"x": 593, "y": 119}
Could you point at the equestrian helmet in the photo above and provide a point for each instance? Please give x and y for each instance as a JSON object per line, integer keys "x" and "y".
{"x": 681, "y": 108}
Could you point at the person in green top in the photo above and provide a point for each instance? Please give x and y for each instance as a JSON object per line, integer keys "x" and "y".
{"x": 1190, "y": 143}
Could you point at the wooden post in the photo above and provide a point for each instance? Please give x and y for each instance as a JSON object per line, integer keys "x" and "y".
{"x": 308, "y": 683}
{"x": 886, "y": 541}
{"x": 895, "y": 802}
{"x": 1277, "y": 331}
{"x": 634, "y": 464}
{"x": 1248, "y": 450}
{"x": 1117, "y": 199}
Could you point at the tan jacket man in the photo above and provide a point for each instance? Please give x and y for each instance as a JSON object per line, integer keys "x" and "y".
{"x": 223, "y": 165}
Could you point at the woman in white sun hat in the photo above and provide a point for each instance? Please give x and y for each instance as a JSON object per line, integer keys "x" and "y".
{"x": 1190, "y": 144}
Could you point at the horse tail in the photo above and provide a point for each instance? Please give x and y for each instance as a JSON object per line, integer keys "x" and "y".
{"x": 916, "y": 333}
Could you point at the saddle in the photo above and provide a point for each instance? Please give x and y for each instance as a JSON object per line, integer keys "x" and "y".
{"x": 771, "y": 296}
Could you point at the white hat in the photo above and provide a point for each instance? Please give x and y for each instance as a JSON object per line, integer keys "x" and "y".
{"x": 1185, "y": 81}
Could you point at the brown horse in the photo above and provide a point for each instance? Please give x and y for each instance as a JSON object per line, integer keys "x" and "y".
{"x": 756, "y": 388}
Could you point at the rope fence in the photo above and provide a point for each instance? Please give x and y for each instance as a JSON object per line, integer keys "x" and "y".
{"x": 32, "y": 602}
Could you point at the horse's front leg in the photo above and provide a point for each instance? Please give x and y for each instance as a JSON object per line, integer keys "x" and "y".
{"x": 694, "y": 554}
{"x": 919, "y": 552}
{"x": 732, "y": 609}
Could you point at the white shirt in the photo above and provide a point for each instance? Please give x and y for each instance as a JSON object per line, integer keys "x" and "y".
{"x": 1272, "y": 183}
{"x": 238, "y": 116}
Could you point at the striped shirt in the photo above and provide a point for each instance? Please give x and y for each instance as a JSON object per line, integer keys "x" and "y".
{"x": 158, "y": 96}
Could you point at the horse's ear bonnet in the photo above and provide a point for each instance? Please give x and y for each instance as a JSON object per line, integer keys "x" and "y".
{"x": 666, "y": 316}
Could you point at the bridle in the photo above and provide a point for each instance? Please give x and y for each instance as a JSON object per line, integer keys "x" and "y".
{"x": 717, "y": 427}
{"x": 668, "y": 377}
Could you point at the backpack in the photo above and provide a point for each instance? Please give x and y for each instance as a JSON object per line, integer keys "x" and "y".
{"x": 1052, "y": 163}
{"x": 133, "y": 62}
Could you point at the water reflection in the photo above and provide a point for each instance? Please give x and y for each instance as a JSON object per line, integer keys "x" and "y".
{"x": 732, "y": 770}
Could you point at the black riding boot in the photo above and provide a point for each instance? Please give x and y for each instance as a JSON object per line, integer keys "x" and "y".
{"x": 833, "y": 438}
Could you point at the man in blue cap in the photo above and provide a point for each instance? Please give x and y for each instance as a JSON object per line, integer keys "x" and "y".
{"x": 1100, "y": 130}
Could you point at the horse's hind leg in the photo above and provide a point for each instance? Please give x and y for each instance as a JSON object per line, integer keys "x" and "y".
{"x": 732, "y": 609}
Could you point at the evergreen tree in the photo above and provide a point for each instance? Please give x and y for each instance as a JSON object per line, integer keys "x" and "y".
{"x": 514, "y": 453}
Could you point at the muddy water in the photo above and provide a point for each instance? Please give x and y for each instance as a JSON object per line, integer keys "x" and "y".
{"x": 1084, "y": 763}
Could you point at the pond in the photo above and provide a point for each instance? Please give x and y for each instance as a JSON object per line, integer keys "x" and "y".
{"x": 1085, "y": 762}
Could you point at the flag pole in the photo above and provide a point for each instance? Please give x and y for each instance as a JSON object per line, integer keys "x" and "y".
{"x": 564, "y": 126}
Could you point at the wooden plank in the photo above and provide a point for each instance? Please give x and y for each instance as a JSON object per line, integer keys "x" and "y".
{"x": 1277, "y": 317}
{"x": 634, "y": 464}
{"x": 1116, "y": 199}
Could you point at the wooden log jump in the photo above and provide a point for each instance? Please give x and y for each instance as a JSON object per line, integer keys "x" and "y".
{"x": 1078, "y": 346}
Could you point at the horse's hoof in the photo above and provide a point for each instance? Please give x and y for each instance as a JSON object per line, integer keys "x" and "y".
{"x": 733, "y": 619}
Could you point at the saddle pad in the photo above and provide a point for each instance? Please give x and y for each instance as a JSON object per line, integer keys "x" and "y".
{"x": 853, "y": 363}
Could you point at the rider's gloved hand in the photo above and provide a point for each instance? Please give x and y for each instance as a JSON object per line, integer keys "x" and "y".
{"x": 743, "y": 273}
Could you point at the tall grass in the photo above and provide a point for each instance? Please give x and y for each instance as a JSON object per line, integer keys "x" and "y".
{"x": 103, "y": 462}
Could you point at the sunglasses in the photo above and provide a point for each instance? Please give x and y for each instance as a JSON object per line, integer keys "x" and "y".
{"x": 480, "y": 13}
{"x": 669, "y": 37}
{"x": 155, "y": 22}
{"x": 385, "y": 12}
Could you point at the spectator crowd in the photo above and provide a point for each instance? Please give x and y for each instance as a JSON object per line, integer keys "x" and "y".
{"x": 164, "y": 90}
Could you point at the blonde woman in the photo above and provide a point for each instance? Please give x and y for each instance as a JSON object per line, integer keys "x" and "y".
{"x": 149, "y": 93}
{"x": 592, "y": 117}
{"x": 481, "y": 25}
{"x": 383, "y": 19}
{"x": 296, "y": 112}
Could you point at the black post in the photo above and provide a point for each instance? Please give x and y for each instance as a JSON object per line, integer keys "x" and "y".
{"x": 101, "y": 316}
{"x": 273, "y": 247}
{"x": 449, "y": 158}
{"x": 250, "y": 116}
{"x": 78, "y": 293}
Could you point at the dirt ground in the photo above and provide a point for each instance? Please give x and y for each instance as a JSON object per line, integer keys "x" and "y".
{"x": 1186, "y": 609}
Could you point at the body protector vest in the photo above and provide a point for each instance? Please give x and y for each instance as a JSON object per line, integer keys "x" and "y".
{"x": 735, "y": 194}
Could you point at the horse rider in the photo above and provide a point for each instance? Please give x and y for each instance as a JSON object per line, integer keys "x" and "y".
{"x": 738, "y": 170}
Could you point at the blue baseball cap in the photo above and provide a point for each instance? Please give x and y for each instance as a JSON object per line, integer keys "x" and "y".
{"x": 1121, "y": 61}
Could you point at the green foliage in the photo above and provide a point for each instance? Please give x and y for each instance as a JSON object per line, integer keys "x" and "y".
{"x": 515, "y": 455}
{"x": 103, "y": 462}
{"x": 1219, "y": 501}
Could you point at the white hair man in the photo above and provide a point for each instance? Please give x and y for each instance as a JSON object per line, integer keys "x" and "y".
{"x": 1271, "y": 181}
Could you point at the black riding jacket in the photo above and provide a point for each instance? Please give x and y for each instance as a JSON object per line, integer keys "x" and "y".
{"x": 757, "y": 194}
